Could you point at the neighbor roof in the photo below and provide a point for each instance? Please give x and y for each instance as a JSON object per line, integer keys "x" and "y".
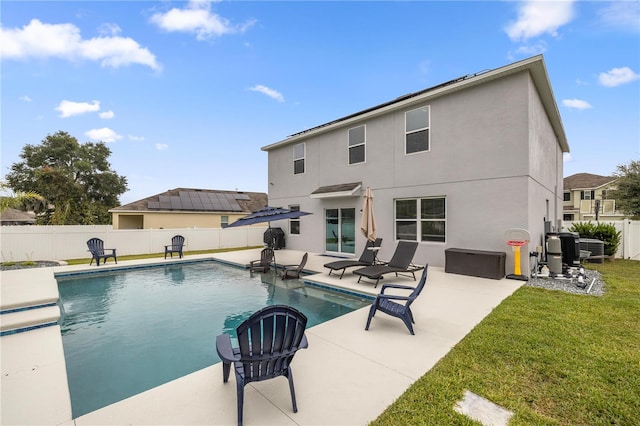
{"x": 535, "y": 66}
{"x": 10, "y": 215}
{"x": 198, "y": 200}
{"x": 586, "y": 181}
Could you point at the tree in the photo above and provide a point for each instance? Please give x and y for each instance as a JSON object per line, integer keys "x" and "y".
{"x": 19, "y": 200}
{"x": 627, "y": 194}
{"x": 76, "y": 179}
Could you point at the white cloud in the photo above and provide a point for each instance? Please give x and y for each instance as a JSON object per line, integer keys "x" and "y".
{"x": 576, "y": 104}
{"x": 617, "y": 76}
{"x": 136, "y": 138}
{"x": 267, "y": 91}
{"x": 566, "y": 157}
{"x": 109, "y": 29}
{"x": 106, "y": 115}
{"x": 539, "y": 17}
{"x": 621, "y": 14}
{"x": 197, "y": 18}
{"x": 162, "y": 146}
{"x": 63, "y": 41}
{"x": 70, "y": 108}
{"x": 104, "y": 135}
{"x": 25, "y": 98}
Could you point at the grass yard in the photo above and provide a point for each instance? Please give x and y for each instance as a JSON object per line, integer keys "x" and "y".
{"x": 550, "y": 357}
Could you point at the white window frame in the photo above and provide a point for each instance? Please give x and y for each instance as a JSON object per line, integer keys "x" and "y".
{"x": 294, "y": 207}
{"x": 355, "y": 144}
{"x": 302, "y": 158}
{"x": 418, "y": 220}
{"x": 224, "y": 221}
{"x": 416, "y": 130}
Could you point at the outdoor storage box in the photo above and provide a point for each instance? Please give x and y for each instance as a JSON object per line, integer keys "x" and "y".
{"x": 477, "y": 263}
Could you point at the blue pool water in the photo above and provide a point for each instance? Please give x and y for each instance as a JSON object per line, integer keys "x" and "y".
{"x": 127, "y": 332}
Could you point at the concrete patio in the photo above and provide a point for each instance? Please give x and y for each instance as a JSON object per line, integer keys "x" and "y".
{"x": 348, "y": 376}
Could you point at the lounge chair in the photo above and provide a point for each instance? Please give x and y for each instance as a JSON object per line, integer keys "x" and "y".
{"x": 176, "y": 245}
{"x": 264, "y": 263}
{"x": 389, "y": 304}
{"x": 367, "y": 258}
{"x": 400, "y": 263}
{"x": 96, "y": 247}
{"x": 293, "y": 271}
{"x": 267, "y": 342}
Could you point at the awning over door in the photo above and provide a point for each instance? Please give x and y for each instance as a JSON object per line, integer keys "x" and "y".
{"x": 341, "y": 190}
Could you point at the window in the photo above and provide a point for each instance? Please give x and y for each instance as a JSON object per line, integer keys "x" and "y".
{"x": 587, "y": 195}
{"x": 567, "y": 217}
{"x": 357, "y": 144}
{"x": 294, "y": 224}
{"x": 567, "y": 196}
{"x": 416, "y": 130}
{"x": 298, "y": 159}
{"x": 224, "y": 221}
{"x": 421, "y": 219}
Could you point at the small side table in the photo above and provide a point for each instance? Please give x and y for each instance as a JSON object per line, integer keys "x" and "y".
{"x": 375, "y": 254}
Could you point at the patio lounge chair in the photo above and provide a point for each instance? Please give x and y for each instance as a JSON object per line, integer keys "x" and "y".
{"x": 293, "y": 271}
{"x": 367, "y": 258}
{"x": 389, "y": 304}
{"x": 267, "y": 342}
{"x": 177, "y": 242}
{"x": 264, "y": 263}
{"x": 400, "y": 263}
{"x": 96, "y": 247}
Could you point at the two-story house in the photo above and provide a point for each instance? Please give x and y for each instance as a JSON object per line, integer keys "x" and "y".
{"x": 455, "y": 165}
{"x": 586, "y": 198}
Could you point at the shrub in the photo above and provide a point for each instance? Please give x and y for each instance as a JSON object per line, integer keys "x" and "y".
{"x": 605, "y": 232}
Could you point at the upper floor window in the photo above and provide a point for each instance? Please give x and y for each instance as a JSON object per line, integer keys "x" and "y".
{"x": 421, "y": 219}
{"x": 416, "y": 130}
{"x": 294, "y": 224}
{"x": 567, "y": 196}
{"x": 224, "y": 221}
{"x": 587, "y": 195}
{"x": 357, "y": 138}
{"x": 298, "y": 158}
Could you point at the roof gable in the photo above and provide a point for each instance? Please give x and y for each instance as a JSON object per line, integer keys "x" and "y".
{"x": 586, "y": 181}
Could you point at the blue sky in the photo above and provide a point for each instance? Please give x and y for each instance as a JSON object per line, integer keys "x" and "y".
{"x": 186, "y": 93}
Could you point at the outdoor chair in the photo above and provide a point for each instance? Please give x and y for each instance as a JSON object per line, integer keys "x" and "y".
{"x": 264, "y": 263}
{"x": 367, "y": 258}
{"x": 397, "y": 306}
{"x": 400, "y": 263}
{"x": 267, "y": 342}
{"x": 96, "y": 247}
{"x": 177, "y": 243}
{"x": 293, "y": 271}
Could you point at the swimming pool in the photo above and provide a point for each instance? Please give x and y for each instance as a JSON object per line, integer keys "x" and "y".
{"x": 129, "y": 331}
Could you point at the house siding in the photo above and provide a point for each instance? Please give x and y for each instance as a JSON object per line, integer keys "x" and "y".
{"x": 493, "y": 156}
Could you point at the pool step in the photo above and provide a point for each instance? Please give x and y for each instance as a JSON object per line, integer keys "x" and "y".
{"x": 30, "y": 318}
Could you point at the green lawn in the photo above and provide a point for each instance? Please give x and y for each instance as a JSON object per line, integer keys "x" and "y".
{"x": 158, "y": 255}
{"x": 551, "y": 357}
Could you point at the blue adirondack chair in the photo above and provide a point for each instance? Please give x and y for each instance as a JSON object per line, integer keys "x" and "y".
{"x": 96, "y": 247}
{"x": 390, "y": 304}
{"x": 267, "y": 342}
{"x": 177, "y": 242}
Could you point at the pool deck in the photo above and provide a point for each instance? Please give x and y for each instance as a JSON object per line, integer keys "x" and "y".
{"x": 347, "y": 376}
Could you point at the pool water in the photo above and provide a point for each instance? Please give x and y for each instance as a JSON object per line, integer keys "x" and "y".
{"x": 127, "y": 332}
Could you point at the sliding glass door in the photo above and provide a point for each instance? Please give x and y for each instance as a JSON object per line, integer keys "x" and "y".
{"x": 340, "y": 230}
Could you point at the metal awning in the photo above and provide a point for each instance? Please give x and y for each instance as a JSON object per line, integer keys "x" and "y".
{"x": 341, "y": 190}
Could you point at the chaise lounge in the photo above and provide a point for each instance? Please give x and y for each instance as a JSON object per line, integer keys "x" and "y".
{"x": 367, "y": 258}
{"x": 400, "y": 263}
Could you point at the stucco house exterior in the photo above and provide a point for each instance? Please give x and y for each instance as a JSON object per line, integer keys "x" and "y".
{"x": 452, "y": 166}
{"x": 187, "y": 208}
{"x": 586, "y": 198}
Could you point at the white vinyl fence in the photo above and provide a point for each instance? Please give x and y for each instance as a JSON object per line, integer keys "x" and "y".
{"x": 19, "y": 243}
{"x": 630, "y": 238}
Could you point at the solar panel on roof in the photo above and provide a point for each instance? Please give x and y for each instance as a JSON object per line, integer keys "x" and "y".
{"x": 153, "y": 205}
{"x": 242, "y": 197}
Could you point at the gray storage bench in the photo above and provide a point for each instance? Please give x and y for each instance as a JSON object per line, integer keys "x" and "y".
{"x": 477, "y": 263}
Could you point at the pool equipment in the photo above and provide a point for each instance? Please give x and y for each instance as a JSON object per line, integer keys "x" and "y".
{"x": 517, "y": 238}
{"x": 554, "y": 254}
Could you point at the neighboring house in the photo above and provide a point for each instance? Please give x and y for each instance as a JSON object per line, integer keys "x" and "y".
{"x": 455, "y": 165}
{"x": 187, "y": 208}
{"x": 586, "y": 197}
{"x": 17, "y": 217}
